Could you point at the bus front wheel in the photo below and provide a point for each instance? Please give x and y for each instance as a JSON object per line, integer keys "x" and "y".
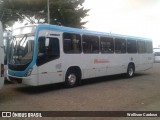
{"x": 130, "y": 70}
{"x": 71, "y": 79}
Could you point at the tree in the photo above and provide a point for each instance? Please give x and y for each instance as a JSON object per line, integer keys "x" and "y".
{"x": 62, "y": 12}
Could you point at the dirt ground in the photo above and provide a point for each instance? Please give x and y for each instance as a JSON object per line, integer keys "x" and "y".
{"x": 111, "y": 93}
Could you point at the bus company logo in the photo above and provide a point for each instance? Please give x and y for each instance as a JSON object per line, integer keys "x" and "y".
{"x": 6, "y": 114}
{"x": 100, "y": 61}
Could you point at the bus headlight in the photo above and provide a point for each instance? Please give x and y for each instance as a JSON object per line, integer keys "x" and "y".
{"x": 29, "y": 72}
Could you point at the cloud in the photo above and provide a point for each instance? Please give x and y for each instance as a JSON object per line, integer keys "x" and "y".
{"x": 130, "y": 17}
{"x": 141, "y": 3}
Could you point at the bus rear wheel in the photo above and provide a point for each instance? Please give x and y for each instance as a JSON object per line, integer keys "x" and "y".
{"x": 71, "y": 79}
{"x": 130, "y": 70}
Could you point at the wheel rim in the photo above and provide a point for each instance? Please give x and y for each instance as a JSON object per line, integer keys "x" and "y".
{"x": 72, "y": 79}
{"x": 130, "y": 72}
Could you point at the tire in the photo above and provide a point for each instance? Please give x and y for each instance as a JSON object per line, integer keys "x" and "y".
{"x": 130, "y": 71}
{"x": 71, "y": 79}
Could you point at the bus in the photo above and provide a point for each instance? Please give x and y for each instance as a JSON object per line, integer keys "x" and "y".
{"x": 156, "y": 55}
{"x": 6, "y": 39}
{"x": 46, "y": 54}
{"x": 1, "y": 57}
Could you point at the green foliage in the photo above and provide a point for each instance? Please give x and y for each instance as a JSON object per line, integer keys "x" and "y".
{"x": 63, "y": 12}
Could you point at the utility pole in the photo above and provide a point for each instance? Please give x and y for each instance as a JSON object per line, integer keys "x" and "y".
{"x": 48, "y": 12}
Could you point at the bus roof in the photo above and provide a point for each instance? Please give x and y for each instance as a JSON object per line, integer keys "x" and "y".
{"x": 83, "y": 31}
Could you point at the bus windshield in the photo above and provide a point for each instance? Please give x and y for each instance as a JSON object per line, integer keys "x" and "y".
{"x": 21, "y": 51}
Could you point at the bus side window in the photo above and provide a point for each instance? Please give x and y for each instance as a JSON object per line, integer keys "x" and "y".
{"x": 71, "y": 43}
{"x": 149, "y": 48}
{"x": 41, "y": 46}
{"x": 47, "y": 53}
{"x": 107, "y": 45}
{"x": 90, "y": 44}
{"x": 120, "y": 45}
{"x": 141, "y": 46}
{"x": 131, "y": 46}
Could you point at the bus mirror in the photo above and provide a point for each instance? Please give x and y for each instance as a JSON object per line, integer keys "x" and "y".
{"x": 47, "y": 42}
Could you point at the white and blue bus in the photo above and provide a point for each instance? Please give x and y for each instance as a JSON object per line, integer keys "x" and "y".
{"x": 46, "y": 54}
{"x": 1, "y": 57}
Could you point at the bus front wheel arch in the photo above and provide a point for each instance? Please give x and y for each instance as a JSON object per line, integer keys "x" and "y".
{"x": 72, "y": 77}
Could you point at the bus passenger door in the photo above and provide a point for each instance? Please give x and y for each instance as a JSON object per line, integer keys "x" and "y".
{"x": 48, "y": 61}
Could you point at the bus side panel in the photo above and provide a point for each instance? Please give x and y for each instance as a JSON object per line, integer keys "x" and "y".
{"x": 145, "y": 62}
{"x": 84, "y": 61}
{"x": 51, "y": 72}
{"x": 118, "y": 64}
{"x": 150, "y": 60}
{"x": 96, "y": 65}
{"x": 1, "y": 58}
{"x": 88, "y": 67}
{"x": 106, "y": 64}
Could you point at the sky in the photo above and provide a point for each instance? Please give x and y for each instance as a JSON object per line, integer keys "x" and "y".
{"x": 128, "y": 17}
